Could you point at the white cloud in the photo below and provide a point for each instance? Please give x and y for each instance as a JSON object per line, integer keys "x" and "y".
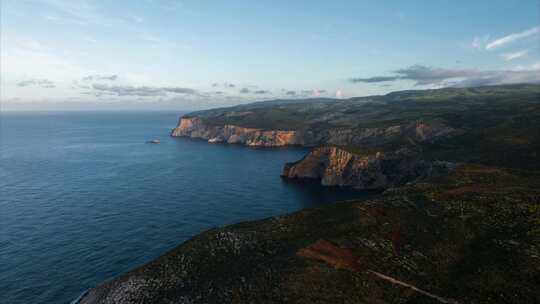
{"x": 533, "y": 67}
{"x": 44, "y": 83}
{"x": 512, "y": 37}
{"x": 480, "y": 42}
{"x": 515, "y": 55}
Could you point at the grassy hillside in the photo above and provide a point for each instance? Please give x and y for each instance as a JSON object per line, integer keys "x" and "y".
{"x": 370, "y": 111}
{"x": 500, "y": 124}
{"x": 470, "y": 237}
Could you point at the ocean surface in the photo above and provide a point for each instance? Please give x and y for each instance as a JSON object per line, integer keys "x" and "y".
{"x": 84, "y": 198}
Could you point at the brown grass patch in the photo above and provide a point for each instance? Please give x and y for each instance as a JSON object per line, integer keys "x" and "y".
{"x": 330, "y": 253}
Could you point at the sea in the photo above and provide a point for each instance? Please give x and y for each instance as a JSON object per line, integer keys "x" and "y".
{"x": 84, "y": 197}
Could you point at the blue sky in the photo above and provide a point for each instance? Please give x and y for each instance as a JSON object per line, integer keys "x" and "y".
{"x": 152, "y": 54}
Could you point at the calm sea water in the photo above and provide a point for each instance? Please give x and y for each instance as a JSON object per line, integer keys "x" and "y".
{"x": 83, "y": 198}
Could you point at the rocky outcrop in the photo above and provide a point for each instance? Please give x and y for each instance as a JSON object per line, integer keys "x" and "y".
{"x": 334, "y": 166}
{"x": 195, "y": 127}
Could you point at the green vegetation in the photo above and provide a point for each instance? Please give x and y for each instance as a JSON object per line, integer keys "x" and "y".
{"x": 472, "y": 236}
{"x": 391, "y": 109}
{"x": 498, "y": 124}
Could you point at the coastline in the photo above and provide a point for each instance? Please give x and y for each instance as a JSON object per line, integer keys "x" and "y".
{"x": 398, "y": 235}
{"x": 458, "y": 198}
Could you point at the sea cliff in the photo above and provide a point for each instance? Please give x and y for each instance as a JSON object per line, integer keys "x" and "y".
{"x": 335, "y": 166}
{"x": 196, "y": 127}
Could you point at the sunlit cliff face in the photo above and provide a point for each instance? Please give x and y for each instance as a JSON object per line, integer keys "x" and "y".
{"x": 195, "y": 127}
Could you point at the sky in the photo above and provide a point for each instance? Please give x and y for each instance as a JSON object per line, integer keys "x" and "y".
{"x": 197, "y": 54}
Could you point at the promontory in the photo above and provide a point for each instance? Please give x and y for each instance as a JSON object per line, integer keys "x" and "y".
{"x": 456, "y": 218}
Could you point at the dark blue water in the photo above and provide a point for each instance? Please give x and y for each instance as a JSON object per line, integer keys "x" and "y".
{"x": 83, "y": 198}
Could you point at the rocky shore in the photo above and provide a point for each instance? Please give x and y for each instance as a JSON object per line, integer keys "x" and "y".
{"x": 196, "y": 127}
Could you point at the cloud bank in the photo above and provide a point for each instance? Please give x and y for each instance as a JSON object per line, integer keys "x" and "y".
{"x": 261, "y": 92}
{"x": 100, "y": 77}
{"x": 224, "y": 85}
{"x": 44, "y": 83}
{"x": 425, "y": 75}
{"x": 375, "y": 79}
{"x": 142, "y": 91}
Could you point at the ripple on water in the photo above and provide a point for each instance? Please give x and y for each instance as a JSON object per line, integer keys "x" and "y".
{"x": 84, "y": 199}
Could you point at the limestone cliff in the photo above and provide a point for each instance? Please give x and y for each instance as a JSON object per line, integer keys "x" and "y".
{"x": 195, "y": 127}
{"x": 334, "y": 166}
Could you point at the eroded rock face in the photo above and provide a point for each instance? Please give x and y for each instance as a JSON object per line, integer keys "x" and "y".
{"x": 195, "y": 127}
{"x": 190, "y": 126}
{"x": 334, "y": 166}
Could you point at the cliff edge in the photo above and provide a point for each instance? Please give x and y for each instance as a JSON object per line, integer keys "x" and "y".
{"x": 195, "y": 127}
{"x": 416, "y": 131}
{"x": 335, "y": 166}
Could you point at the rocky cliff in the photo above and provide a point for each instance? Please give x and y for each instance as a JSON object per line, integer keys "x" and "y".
{"x": 196, "y": 127}
{"x": 335, "y": 166}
